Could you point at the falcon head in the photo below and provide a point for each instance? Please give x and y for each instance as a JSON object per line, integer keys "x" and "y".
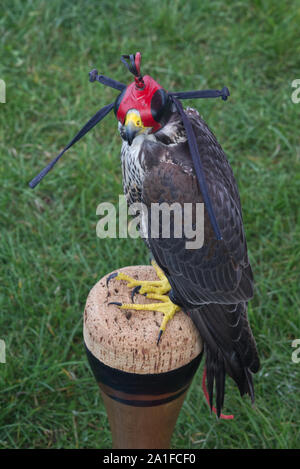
{"x": 143, "y": 106}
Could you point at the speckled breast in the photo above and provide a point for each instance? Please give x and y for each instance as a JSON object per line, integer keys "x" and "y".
{"x": 133, "y": 172}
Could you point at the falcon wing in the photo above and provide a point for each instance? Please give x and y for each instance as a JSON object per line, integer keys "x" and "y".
{"x": 212, "y": 283}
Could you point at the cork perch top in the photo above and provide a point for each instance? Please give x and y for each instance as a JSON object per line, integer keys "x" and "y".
{"x": 126, "y": 340}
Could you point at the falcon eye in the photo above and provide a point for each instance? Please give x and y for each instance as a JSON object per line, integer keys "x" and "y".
{"x": 160, "y": 105}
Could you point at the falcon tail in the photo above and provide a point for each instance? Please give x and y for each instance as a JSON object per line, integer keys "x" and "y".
{"x": 229, "y": 348}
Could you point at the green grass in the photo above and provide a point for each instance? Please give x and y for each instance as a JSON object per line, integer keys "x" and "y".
{"x": 50, "y": 255}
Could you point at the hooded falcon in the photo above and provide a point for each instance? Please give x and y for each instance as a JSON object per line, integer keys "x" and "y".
{"x": 170, "y": 156}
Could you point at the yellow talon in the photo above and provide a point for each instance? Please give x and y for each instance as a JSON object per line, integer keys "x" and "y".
{"x": 166, "y": 307}
{"x": 160, "y": 287}
{"x": 155, "y": 289}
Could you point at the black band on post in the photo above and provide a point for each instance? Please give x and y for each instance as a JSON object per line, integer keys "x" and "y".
{"x": 133, "y": 383}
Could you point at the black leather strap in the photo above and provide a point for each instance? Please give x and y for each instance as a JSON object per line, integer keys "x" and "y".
{"x": 88, "y": 126}
{"x": 198, "y": 167}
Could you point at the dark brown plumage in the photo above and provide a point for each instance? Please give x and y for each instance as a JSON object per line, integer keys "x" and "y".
{"x": 214, "y": 283}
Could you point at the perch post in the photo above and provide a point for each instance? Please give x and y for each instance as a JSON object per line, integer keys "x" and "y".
{"x": 143, "y": 385}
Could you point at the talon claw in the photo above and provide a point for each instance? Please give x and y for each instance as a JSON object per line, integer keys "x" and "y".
{"x": 159, "y": 336}
{"x": 115, "y": 303}
{"x": 110, "y": 277}
{"x": 134, "y": 292}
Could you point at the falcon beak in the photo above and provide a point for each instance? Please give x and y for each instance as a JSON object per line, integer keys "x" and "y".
{"x": 133, "y": 125}
{"x": 131, "y": 132}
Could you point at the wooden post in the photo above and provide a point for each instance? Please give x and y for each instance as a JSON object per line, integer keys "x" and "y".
{"x": 143, "y": 385}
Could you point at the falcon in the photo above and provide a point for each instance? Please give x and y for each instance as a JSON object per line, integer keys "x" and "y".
{"x": 170, "y": 156}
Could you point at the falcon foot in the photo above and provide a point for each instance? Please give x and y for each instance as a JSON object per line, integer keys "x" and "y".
{"x": 166, "y": 307}
{"x": 160, "y": 287}
{"x": 155, "y": 290}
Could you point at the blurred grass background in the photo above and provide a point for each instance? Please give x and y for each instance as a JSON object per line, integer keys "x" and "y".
{"x": 50, "y": 255}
